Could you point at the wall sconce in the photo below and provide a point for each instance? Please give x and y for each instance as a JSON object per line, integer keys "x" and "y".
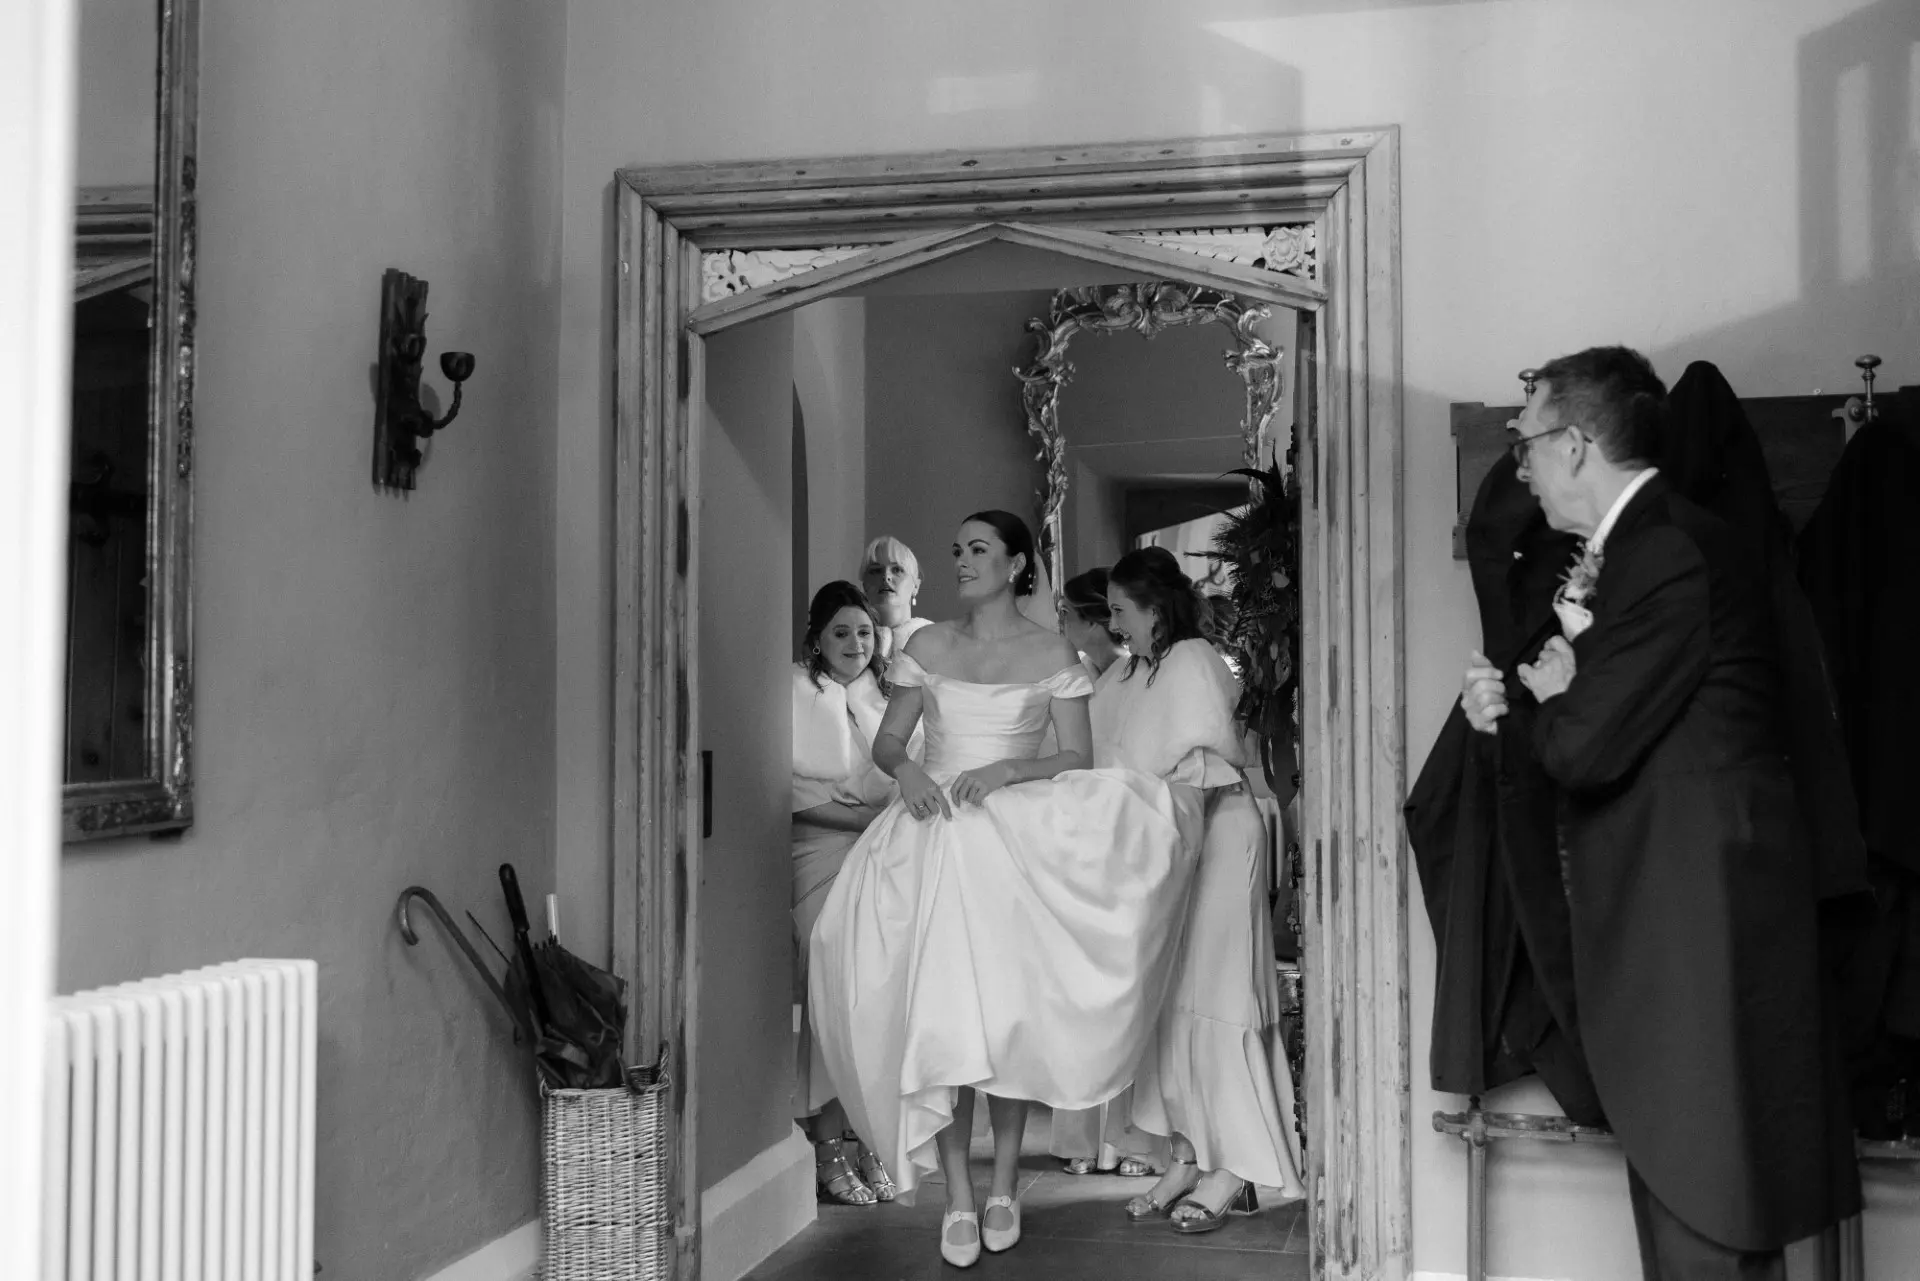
{"x": 1528, "y": 378}
{"x": 399, "y": 423}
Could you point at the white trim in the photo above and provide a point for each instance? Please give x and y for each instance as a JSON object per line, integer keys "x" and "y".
{"x": 36, "y": 310}
{"x": 513, "y": 1257}
{"x": 757, "y": 1209}
{"x": 1461, "y": 1276}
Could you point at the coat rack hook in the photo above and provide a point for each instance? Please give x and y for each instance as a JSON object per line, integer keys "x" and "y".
{"x": 1859, "y": 410}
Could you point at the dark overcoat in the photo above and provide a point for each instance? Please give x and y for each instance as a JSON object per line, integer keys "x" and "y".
{"x": 1480, "y": 820}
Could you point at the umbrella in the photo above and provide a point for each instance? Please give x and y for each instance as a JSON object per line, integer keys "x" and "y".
{"x": 577, "y": 1011}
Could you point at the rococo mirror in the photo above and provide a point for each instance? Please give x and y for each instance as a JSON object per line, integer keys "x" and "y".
{"x": 1145, "y": 308}
{"x": 129, "y": 708}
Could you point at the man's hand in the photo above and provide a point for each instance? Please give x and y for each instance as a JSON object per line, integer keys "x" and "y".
{"x": 1549, "y": 676}
{"x": 1483, "y": 694}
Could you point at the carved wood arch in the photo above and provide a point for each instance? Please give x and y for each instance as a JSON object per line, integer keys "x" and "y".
{"x": 1089, "y": 202}
{"x": 1147, "y": 309}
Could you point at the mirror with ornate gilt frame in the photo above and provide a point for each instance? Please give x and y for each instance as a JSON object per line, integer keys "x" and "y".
{"x": 1146, "y": 308}
{"x": 128, "y": 752}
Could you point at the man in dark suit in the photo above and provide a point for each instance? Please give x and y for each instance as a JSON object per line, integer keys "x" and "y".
{"x": 1689, "y": 883}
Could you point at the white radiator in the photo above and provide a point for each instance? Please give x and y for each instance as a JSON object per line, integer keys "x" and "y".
{"x": 180, "y": 1128}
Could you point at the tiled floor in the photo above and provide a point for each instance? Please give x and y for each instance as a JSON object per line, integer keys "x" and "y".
{"x": 1072, "y": 1228}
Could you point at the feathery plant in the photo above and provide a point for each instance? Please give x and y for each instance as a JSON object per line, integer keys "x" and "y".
{"x": 1260, "y": 544}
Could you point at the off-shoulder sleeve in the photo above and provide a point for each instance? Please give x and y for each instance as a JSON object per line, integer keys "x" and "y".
{"x": 903, "y": 670}
{"x": 1181, "y": 727}
{"x": 1069, "y": 682}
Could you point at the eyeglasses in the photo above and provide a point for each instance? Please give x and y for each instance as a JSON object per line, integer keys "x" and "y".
{"x": 1521, "y": 446}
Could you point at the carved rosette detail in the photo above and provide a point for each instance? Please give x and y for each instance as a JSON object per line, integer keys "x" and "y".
{"x": 1147, "y": 309}
{"x": 1290, "y": 249}
{"x": 724, "y": 272}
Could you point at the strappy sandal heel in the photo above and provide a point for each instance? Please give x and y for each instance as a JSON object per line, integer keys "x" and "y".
{"x": 877, "y": 1179}
{"x": 1144, "y": 1207}
{"x": 1242, "y": 1202}
{"x": 1132, "y": 1167}
{"x": 834, "y": 1179}
{"x": 1078, "y": 1165}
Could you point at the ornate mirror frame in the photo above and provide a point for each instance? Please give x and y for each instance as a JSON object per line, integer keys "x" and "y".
{"x": 161, "y": 798}
{"x": 1148, "y": 308}
{"x": 692, "y": 259}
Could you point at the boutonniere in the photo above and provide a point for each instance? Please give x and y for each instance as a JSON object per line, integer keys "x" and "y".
{"x": 1573, "y": 603}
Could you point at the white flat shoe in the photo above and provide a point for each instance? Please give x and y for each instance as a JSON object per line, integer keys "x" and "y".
{"x": 960, "y": 1256}
{"x": 998, "y": 1239}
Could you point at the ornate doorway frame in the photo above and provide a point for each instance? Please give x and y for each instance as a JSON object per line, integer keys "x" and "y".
{"x": 704, "y": 247}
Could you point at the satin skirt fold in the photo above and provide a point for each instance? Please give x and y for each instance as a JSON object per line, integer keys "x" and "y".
{"x": 1023, "y": 947}
{"x": 818, "y": 854}
{"x": 1217, "y": 1072}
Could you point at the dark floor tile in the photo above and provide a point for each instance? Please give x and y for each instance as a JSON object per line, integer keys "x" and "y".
{"x": 1072, "y": 1225}
{"x": 902, "y": 1256}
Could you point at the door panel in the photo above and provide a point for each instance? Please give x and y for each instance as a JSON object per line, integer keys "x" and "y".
{"x": 745, "y": 607}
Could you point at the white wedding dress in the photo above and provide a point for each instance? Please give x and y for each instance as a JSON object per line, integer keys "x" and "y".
{"x": 1024, "y": 947}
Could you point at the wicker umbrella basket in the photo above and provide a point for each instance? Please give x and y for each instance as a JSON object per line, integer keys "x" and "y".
{"x": 603, "y": 1183}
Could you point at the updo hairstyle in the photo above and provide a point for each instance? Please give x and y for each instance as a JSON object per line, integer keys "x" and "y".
{"x": 1017, "y": 539}
{"x": 1155, "y": 581}
{"x": 1086, "y": 595}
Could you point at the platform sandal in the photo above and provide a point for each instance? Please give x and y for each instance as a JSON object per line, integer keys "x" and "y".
{"x": 1242, "y": 1202}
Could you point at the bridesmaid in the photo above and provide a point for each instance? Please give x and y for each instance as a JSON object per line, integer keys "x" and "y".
{"x": 839, "y": 698}
{"x": 1216, "y": 1079}
{"x": 1087, "y": 1139}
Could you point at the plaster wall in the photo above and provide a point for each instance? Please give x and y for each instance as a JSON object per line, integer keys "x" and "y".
{"x": 1096, "y": 518}
{"x": 1730, "y": 180}
{"x": 114, "y": 108}
{"x": 375, "y": 673}
{"x": 830, "y": 377}
{"x": 946, "y": 434}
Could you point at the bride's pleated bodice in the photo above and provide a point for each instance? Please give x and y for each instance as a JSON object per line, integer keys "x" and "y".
{"x": 969, "y": 724}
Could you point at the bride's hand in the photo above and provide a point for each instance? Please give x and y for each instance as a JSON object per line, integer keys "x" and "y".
{"x": 976, "y": 785}
{"x": 921, "y": 795}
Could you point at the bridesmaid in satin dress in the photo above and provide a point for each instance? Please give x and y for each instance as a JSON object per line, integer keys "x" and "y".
{"x": 1101, "y": 1138}
{"x": 839, "y": 698}
{"x": 1216, "y": 1081}
{"x": 1009, "y": 925}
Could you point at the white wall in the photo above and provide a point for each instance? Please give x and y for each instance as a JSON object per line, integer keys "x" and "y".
{"x": 946, "y": 431}
{"x": 1572, "y": 172}
{"x": 37, "y": 58}
{"x": 375, "y": 673}
{"x": 1095, "y": 517}
{"x": 830, "y": 375}
{"x": 113, "y": 111}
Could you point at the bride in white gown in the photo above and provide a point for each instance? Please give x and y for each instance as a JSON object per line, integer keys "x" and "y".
{"x": 1010, "y": 923}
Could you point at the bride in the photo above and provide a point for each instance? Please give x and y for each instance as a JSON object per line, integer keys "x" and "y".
{"x": 1007, "y": 925}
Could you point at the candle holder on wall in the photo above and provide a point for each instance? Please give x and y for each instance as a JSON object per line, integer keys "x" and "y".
{"x": 400, "y": 424}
